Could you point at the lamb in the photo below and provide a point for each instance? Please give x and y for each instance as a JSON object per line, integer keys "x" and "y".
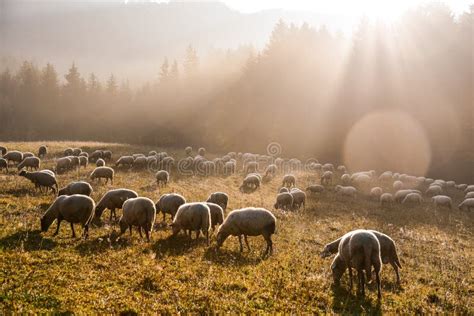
{"x": 219, "y": 198}
{"x": 386, "y": 198}
{"x": 202, "y": 151}
{"x": 326, "y": 178}
{"x": 289, "y": 180}
{"x": 461, "y": 187}
{"x": 360, "y": 250}
{"x": 162, "y": 177}
{"x": 299, "y": 198}
{"x": 315, "y": 188}
{"x": 113, "y": 200}
{"x": 103, "y": 172}
{"x": 346, "y": 191}
{"x": 41, "y": 179}
{"x": 83, "y": 161}
{"x": 63, "y": 164}
{"x": 126, "y": 161}
{"x": 442, "y": 200}
{"x": 412, "y": 198}
{"x": 73, "y": 209}
{"x": 217, "y": 214}
{"x": 30, "y": 162}
{"x": 42, "y": 151}
{"x": 169, "y": 204}
{"x": 434, "y": 190}
{"x": 284, "y": 201}
{"x": 3, "y": 164}
{"x": 139, "y": 211}
{"x": 100, "y": 162}
{"x": 388, "y": 250}
{"x": 193, "y": 217}
{"x": 467, "y": 205}
{"x": 248, "y": 221}
{"x": 15, "y": 156}
{"x": 375, "y": 193}
{"x": 79, "y": 187}
{"x": 188, "y": 151}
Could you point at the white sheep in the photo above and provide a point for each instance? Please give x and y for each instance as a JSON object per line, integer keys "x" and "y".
{"x": 412, "y": 198}
{"x": 248, "y": 221}
{"x": 162, "y": 178}
{"x": 375, "y": 193}
{"x": 140, "y": 212}
{"x": 193, "y": 217}
{"x": 346, "y": 191}
{"x": 386, "y": 198}
{"x": 112, "y": 200}
{"x": 169, "y": 204}
{"x": 326, "y": 178}
{"x": 315, "y": 188}
{"x": 202, "y": 151}
{"x": 79, "y": 187}
{"x": 217, "y": 214}
{"x": 42, "y": 151}
{"x": 469, "y": 195}
{"x": 100, "y": 162}
{"x": 299, "y": 198}
{"x": 219, "y": 198}
{"x": 346, "y": 179}
{"x": 467, "y": 205}
{"x": 401, "y": 194}
{"x": 3, "y": 164}
{"x": 284, "y": 201}
{"x": 126, "y": 161}
{"x": 397, "y": 185}
{"x": 103, "y": 172}
{"x": 188, "y": 151}
{"x": 442, "y": 200}
{"x": 30, "y": 162}
{"x": 83, "y": 161}
{"x": 469, "y": 188}
{"x": 289, "y": 180}
{"x": 14, "y": 156}
{"x": 434, "y": 190}
{"x": 63, "y": 164}
{"x": 41, "y": 179}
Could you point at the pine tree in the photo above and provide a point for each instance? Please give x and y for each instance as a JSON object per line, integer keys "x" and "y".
{"x": 112, "y": 85}
{"x": 164, "y": 71}
{"x": 174, "y": 72}
{"x": 191, "y": 61}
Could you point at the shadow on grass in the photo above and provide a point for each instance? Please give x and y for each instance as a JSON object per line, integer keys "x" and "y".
{"x": 29, "y": 240}
{"x": 100, "y": 244}
{"x": 175, "y": 245}
{"x": 344, "y": 301}
{"x": 235, "y": 258}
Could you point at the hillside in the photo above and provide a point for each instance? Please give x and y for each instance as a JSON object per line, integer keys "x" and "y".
{"x": 41, "y": 273}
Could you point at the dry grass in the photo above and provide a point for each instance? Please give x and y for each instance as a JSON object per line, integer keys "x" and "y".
{"x": 42, "y": 273}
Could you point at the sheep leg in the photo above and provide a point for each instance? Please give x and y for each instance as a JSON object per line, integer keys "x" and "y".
{"x": 350, "y": 278}
{"x": 59, "y": 219}
{"x": 268, "y": 239}
{"x": 379, "y": 285}
{"x": 246, "y": 242}
{"x": 240, "y": 242}
{"x": 130, "y": 229}
{"x": 73, "y": 232}
{"x": 395, "y": 268}
{"x": 85, "y": 233}
{"x": 207, "y": 237}
{"x": 198, "y": 233}
{"x": 147, "y": 234}
{"x": 164, "y": 217}
{"x": 139, "y": 228}
{"x": 361, "y": 276}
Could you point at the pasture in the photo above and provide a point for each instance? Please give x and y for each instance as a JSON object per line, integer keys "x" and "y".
{"x": 42, "y": 273}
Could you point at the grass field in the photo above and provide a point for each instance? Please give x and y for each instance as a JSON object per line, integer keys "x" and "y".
{"x": 41, "y": 273}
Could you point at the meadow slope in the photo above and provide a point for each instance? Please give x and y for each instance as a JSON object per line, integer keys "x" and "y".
{"x": 41, "y": 273}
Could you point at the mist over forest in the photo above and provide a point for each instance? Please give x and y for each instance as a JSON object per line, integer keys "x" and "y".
{"x": 387, "y": 96}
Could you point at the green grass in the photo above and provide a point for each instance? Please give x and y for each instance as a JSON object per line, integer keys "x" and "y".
{"x": 41, "y": 273}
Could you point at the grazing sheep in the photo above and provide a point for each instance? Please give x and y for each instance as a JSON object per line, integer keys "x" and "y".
{"x": 469, "y": 188}
{"x": 140, "y": 163}
{"x": 217, "y": 214}
{"x": 107, "y": 155}
{"x": 401, "y": 194}
{"x": 397, "y": 185}
{"x": 467, "y": 205}
{"x": 140, "y": 212}
{"x": 346, "y": 179}
{"x": 73, "y": 209}
{"x": 360, "y": 250}
{"x": 434, "y": 190}
{"x": 250, "y": 183}
{"x": 169, "y": 204}
{"x": 299, "y": 198}
{"x": 386, "y": 176}
{"x": 251, "y": 166}
{"x": 79, "y": 187}
{"x": 284, "y": 189}
{"x": 442, "y": 200}
{"x": 414, "y": 198}
{"x": 30, "y": 163}
{"x": 469, "y": 195}
{"x": 15, "y": 156}
{"x": 100, "y": 162}
{"x": 271, "y": 170}
{"x": 219, "y": 198}
{"x": 248, "y": 221}
{"x": 346, "y": 191}
{"x": 63, "y": 164}
{"x": 3, "y": 164}
{"x": 229, "y": 168}
{"x": 42, "y": 151}
{"x": 41, "y": 179}
{"x": 315, "y": 188}
{"x": 83, "y": 161}
{"x": 162, "y": 177}
{"x": 126, "y": 161}
{"x": 461, "y": 187}
{"x": 193, "y": 217}
{"x": 188, "y": 151}
{"x": 326, "y": 178}
{"x": 27, "y": 154}
{"x": 3, "y": 150}
{"x": 289, "y": 180}
{"x": 68, "y": 152}
{"x": 97, "y": 154}
{"x": 388, "y": 251}
{"x": 84, "y": 154}
{"x": 202, "y": 151}
{"x": 76, "y": 151}
{"x": 284, "y": 201}
{"x": 375, "y": 193}
{"x": 75, "y": 162}
{"x": 103, "y": 172}
{"x": 386, "y": 198}
{"x": 113, "y": 200}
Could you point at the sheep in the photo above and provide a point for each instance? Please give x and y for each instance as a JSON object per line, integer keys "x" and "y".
{"x": 251, "y": 166}
{"x": 289, "y": 180}
{"x": 73, "y": 209}
{"x": 361, "y": 250}
{"x": 162, "y": 177}
{"x": 388, "y": 251}
{"x": 284, "y": 201}
{"x": 75, "y": 162}
{"x": 97, "y": 154}
{"x": 467, "y": 205}
{"x": 14, "y": 156}
{"x": 100, "y": 162}
{"x": 83, "y": 161}
{"x": 113, "y": 200}
{"x": 271, "y": 170}
{"x": 315, "y": 188}
{"x": 346, "y": 179}
{"x": 284, "y": 189}
{"x": 79, "y": 187}
{"x": 107, "y": 155}
{"x": 434, "y": 190}
{"x": 442, "y": 200}
{"x": 193, "y": 217}
{"x": 27, "y": 154}
{"x": 469, "y": 188}
{"x": 76, "y": 151}
{"x": 299, "y": 198}
{"x": 326, "y": 178}
{"x": 30, "y": 162}
{"x": 229, "y": 167}
{"x": 342, "y": 169}
{"x": 188, "y": 151}
{"x": 42, "y": 151}
{"x": 3, "y": 150}
{"x": 126, "y": 161}
{"x": 169, "y": 204}
{"x": 152, "y": 153}
{"x": 48, "y": 172}
{"x": 84, "y": 154}
{"x": 386, "y": 198}
{"x": 140, "y": 163}
{"x": 386, "y": 176}
{"x": 103, "y": 172}
{"x": 41, "y": 179}
{"x": 63, "y": 164}
{"x": 375, "y": 193}
{"x": 328, "y": 167}
{"x": 401, "y": 194}
{"x": 469, "y": 195}
{"x": 219, "y": 198}
{"x": 248, "y": 221}
{"x": 217, "y": 214}
{"x": 346, "y": 191}
{"x": 397, "y": 185}
{"x": 202, "y": 151}
{"x": 461, "y": 187}
{"x": 139, "y": 211}
{"x": 68, "y": 152}
{"x": 250, "y": 183}
{"x": 3, "y": 164}
{"x": 450, "y": 184}
{"x": 412, "y": 198}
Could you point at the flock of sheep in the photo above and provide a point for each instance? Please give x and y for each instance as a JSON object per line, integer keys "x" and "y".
{"x": 358, "y": 249}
